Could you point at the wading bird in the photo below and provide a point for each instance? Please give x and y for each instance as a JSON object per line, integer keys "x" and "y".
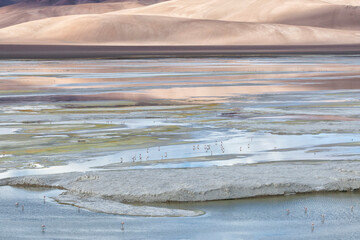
{"x": 322, "y": 218}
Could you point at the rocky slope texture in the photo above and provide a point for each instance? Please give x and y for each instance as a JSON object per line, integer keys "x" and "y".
{"x": 176, "y": 22}
{"x": 112, "y": 191}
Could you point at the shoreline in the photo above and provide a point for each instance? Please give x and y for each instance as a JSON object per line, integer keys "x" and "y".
{"x": 105, "y": 191}
{"x": 35, "y": 51}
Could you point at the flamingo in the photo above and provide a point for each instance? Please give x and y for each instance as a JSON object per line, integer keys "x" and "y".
{"x": 322, "y": 218}
{"x": 122, "y": 226}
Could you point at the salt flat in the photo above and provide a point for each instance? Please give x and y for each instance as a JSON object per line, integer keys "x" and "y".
{"x": 109, "y": 188}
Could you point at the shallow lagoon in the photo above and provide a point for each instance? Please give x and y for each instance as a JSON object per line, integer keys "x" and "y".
{"x": 200, "y": 112}
{"x": 264, "y": 218}
{"x": 64, "y": 116}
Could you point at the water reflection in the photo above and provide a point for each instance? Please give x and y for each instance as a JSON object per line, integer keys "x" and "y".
{"x": 115, "y": 114}
{"x": 261, "y": 218}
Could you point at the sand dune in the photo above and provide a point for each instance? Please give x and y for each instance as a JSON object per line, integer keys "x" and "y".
{"x": 344, "y": 2}
{"x": 15, "y": 15}
{"x": 186, "y": 22}
{"x": 19, "y": 13}
{"x": 136, "y": 29}
{"x": 65, "y": 2}
{"x": 318, "y": 13}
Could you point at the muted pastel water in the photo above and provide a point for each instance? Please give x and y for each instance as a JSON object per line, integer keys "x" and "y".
{"x": 65, "y": 116}
{"x": 241, "y": 219}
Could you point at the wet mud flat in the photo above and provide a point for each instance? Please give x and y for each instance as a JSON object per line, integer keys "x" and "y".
{"x": 110, "y": 191}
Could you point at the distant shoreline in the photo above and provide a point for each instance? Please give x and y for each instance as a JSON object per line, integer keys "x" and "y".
{"x": 28, "y": 51}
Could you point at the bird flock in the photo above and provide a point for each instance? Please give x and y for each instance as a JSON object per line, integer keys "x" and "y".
{"x": 322, "y": 216}
{"x": 208, "y": 149}
{"x": 122, "y": 227}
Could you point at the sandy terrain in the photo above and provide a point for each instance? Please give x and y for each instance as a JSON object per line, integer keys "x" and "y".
{"x": 135, "y": 29}
{"x": 176, "y": 22}
{"x": 294, "y": 12}
{"x": 19, "y": 13}
{"x": 14, "y": 15}
{"x": 105, "y": 190}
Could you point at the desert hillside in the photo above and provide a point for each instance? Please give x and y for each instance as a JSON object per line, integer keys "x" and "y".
{"x": 182, "y": 22}
{"x": 319, "y": 13}
{"x": 30, "y": 10}
{"x": 65, "y": 2}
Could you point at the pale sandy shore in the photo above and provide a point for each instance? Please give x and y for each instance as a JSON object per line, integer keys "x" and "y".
{"x": 28, "y": 51}
{"x": 112, "y": 191}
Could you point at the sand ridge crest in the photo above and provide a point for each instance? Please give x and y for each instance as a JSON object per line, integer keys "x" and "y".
{"x": 121, "y": 29}
{"x": 176, "y": 22}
